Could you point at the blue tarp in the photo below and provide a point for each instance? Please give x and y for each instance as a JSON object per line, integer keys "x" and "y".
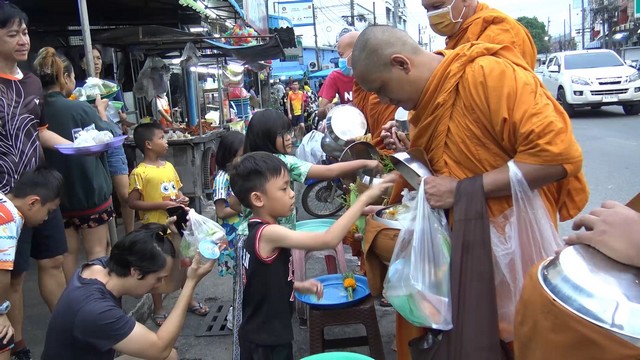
{"x": 322, "y": 73}
{"x": 286, "y": 69}
{"x": 594, "y": 45}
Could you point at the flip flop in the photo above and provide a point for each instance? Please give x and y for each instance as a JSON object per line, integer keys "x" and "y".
{"x": 199, "y": 309}
{"x": 385, "y": 303}
{"x": 159, "y": 319}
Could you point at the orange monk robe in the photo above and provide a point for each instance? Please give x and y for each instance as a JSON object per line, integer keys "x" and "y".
{"x": 376, "y": 112}
{"x": 482, "y": 107}
{"x": 547, "y": 330}
{"x": 495, "y": 27}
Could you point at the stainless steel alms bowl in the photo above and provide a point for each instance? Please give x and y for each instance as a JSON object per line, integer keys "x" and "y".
{"x": 410, "y": 166}
{"x": 330, "y": 147}
{"x": 361, "y": 150}
{"x": 596, "y": 288}
{"x": 345, "y": 122}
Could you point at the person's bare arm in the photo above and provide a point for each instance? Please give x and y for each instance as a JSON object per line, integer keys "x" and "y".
{"x": 165, "y": 116}
{"x": 136, "y": 202}
{"x": 49, "y": 139}
{"x": 234, "y": 204}
{"x": 440, "y": 190}
{"x": 289, "y": 107}
{"x": 144, "y": 343}
{"x": 276, "y": 236}
{"x": 324, "y": 107}
{"x": 222, "y": 211}
{"x": 6, "y": 330}
{"x": 328, "y": 172}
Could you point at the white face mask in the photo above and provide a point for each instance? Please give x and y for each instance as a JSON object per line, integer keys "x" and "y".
{"x": 442, "y": 21}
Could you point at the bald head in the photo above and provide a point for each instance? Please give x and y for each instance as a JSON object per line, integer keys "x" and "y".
{"x": 377, "y": 44}
{"x": 346, "y": 43}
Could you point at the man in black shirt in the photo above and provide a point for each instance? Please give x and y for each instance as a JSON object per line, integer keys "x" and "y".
{"x": 22, "y": 133}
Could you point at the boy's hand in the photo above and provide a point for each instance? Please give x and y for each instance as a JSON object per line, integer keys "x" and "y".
{"x": 169, "y": 204}
{"x": 6, "y": 330}
{"x": 310, "y": 286}
{"x": 376, "y": 190}
{"x": 183, "y": 201}
{"x": 199, "y": 268}
{"x": 171, "y": 223}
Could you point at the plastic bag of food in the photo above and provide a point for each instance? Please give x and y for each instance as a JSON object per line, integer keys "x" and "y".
{"x": 418, "y": 280}
{"x": 200, "y": 228}
{"x": 520, "y": 238}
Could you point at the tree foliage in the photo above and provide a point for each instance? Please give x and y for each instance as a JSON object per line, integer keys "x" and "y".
{"x": 538, "y": 31}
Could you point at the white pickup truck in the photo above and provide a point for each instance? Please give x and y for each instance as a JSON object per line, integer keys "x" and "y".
{"x": 592, "y": 78}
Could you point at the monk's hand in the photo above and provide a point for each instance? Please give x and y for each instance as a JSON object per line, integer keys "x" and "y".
{"x": 387, "y": 136}
{"x": 440, "y": 191}
{"x": 613, "y": 229}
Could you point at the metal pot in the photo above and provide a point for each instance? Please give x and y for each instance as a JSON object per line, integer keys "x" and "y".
{"x": 330, "y": 147}
{"x": 412, "y": 165}
{"x": 361, "y": 150}
{"x": 345, "y": 122}
{"x": 596, "y": 288}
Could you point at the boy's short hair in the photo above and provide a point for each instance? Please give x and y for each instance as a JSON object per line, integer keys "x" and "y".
{"x": 10, "y": 13}
{"x": 145, "y": 132}
{"x": 42, "y": 181}
{"x": 144, "y": 249}
{"x": 252, "y": 172}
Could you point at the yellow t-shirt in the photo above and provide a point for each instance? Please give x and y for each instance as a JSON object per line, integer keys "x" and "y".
{"x": 155, "y": 183}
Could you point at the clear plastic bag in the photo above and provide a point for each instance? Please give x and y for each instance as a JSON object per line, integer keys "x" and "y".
{"x": 418, "y": 281}
{"x": 310, "y": 149}
{"x": 520, "y": 238}
{"x": 200, "y": 228}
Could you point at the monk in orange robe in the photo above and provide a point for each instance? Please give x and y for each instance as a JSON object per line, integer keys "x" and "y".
{"x": 464, "y": 21}
{"x": 469, "y": 124}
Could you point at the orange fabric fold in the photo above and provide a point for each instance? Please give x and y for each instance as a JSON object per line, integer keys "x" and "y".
{"x": 547, "y": 330}
{"x": 376, "y": 112}
{"x": 495, "y": 27}
{"x": 482, "y": 107}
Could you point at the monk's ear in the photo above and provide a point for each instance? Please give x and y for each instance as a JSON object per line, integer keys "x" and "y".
{"x": 401, "y": 62}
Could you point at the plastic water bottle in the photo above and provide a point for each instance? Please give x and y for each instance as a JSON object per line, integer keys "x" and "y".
{"x": 112, "y": 113}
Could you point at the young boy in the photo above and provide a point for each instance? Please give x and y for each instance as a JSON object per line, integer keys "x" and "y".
{"x": 154, "y": 186}
{"x": 295, "y": 106}
{"x": 261, "y": 183}
{"x": 33, "y": 197}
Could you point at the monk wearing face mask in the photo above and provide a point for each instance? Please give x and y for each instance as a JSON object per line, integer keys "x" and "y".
{"x": 464, "y": 21}
{"x": 470, "y": 125}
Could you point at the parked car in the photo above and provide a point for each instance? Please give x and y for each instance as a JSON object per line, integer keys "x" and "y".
{"x": 592, "y": 78}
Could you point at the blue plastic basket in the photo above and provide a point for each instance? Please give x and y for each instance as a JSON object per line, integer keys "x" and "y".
{"x": 242, "y": 108}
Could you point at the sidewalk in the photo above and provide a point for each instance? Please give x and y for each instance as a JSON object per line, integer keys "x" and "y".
{"x": 213, "y": 290}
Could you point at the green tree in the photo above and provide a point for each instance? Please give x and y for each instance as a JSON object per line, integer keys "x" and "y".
{"x": 538, "y": 32}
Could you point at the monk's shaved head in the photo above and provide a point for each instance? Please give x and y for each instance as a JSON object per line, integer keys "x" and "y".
{"x": 388, "y": 62}
{"x": 377, "y": 44}
{"x": 346, "y": 43}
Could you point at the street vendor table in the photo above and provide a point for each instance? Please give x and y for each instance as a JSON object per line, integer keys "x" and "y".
{"x": 192, "y": 160}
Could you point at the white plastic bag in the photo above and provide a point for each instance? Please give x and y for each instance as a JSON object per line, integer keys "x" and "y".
{"x": 418, "y": 281}
{"x": 310, "y": 149}
{"x": 520, "y": 238}
{"x": 200, "y": 228}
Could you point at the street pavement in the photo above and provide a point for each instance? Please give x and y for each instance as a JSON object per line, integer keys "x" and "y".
{"x": 610, "y": 142}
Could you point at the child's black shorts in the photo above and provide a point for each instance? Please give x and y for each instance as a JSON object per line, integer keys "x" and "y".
{"x": 250, "y": 351}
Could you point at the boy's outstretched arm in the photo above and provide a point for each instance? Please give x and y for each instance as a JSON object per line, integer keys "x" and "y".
{"x": 136, "y": 203}
{"x": 276, "y": 236}
{"x": 328, "y": 172}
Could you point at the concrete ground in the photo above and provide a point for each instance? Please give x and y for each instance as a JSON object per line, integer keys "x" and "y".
{"x": 610, "y": 146}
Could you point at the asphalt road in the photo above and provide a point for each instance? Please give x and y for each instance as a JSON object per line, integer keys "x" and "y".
{"x": 611, "y": 147}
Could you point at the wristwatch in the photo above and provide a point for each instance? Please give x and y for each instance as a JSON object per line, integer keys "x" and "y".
{"x": 4, "y": 308}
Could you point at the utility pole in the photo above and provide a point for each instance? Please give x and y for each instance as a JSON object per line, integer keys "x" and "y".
{"x": 395, "y": 13}
{"x": 420, "y": 35}
{"x": 564, "y": 35}
{"x": 315, "y": 35}
{"x": 583, "y": 44}
{"x": 570, "y": 27}
{"x": 374, "y": 13}
{"x": 352, "y": 6}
